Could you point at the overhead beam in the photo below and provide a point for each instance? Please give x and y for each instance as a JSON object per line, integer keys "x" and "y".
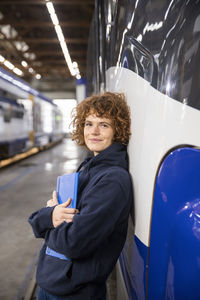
{"x": 41, "y": 24}
{"x": 47, "y": 40}
{"x": 51, "y": 62}
{"x": 42, "y": 2}
{"x": 43, "y": 53}
{"x": 58, "y": 67}
{"x": 47, "y": 72}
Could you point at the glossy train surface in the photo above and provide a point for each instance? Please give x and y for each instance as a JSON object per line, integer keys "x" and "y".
{"x": 150, "y": 51}
{"x": 27, "y": 118}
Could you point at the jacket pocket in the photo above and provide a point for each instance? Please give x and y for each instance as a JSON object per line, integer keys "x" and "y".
{"x": 53, "y": 273}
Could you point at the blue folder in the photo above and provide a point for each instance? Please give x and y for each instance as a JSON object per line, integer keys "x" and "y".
{"x": 67, "y": 187}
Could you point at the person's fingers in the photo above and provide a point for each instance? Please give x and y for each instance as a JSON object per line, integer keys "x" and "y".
{"x": 67, "y": 203}
{"x": 54, "y": 195}
{"x": 50, "y": 203}
{"x": 62, "y": 213}
{"x": 69, "y": 218}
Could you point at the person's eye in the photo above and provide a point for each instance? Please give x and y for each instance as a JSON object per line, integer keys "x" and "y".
{"x": 87, "y": 124}
{"x": 104, "y": 125}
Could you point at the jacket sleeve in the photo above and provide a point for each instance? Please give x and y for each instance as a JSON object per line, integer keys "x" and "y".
{"x": 41, "y": 221}
{"x": 104, "y": 205}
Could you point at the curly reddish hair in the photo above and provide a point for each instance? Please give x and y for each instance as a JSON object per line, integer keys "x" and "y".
{"x": 108, "y": 105}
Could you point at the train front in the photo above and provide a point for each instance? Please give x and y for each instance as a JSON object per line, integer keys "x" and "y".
{"x": 150, "y": 51}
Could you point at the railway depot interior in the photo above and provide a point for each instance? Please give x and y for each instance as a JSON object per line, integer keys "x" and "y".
{"x": 54, "y": 53}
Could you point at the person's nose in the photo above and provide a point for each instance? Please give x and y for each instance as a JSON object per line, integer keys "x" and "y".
{"x": 95, "y": 130}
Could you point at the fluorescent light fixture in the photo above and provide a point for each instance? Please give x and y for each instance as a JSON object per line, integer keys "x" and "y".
{"x": 30, "y": 70}
{"x": 50, "y": 7}
{"x": 54, "y": 19}
{"x": 38, "y": 76}
{"x": 52, "y": 13}
{"x": 61, "y": 38}
{"x": 64, "y": 46}
{"x": 59, "y": 33}
{"x": 2, "y": 59}
{"x": 24, "y": 63}
{"x": 67, "y": 57}
{"x": 75, "y": 65}
{"x": 18, "y": 71}
{"x": 8, "y": 64}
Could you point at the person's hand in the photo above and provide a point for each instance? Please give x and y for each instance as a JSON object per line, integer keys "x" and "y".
{"x": 62, "y": 213}
{"x": 54, "y": 200}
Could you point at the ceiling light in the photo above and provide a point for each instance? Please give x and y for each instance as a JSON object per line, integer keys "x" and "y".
{"x": 75, "y": 65}
{"x": 77, "y": 72}
{"x": 18, "y": 71}
{"x": 38, "y": 76}
{"x": 50, "y": 7}
{"x": 2, "y": 59}
{"x": 24, "y": 63}
{"x": 30, "y": 56}
{"x": 30, "y": 70}
{"x": 61, "y": 38}
{"x": 8, "y": 64}
{"x": 52, "y": 13}
{"x": 54, "y": 19}
{"x": 59, "y": 33}
{"x": 21, "y": 46}
{"x": 8, "y": 31}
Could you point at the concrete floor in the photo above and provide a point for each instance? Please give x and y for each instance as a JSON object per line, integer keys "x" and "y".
{"x": 24, "y": 188}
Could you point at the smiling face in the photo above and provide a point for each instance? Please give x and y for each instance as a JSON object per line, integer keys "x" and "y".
{"x": 98, "y": 133}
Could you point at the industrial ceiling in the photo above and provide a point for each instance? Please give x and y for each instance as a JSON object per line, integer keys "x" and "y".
{"x": 28, "y": 40}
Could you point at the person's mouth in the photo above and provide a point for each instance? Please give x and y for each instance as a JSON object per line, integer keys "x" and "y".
{"x": 94, "y": 140}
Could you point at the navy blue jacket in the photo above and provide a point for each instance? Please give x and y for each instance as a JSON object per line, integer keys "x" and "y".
{"x": 94, "y": 240}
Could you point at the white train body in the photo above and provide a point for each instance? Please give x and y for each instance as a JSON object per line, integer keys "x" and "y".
{"x": 159, "y": 124}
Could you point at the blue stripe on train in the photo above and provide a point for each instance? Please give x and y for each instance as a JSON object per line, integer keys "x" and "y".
{"x": 133, "y": 262}
{"x": 14, "y": 141}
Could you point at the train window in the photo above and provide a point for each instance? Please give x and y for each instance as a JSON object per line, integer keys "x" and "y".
{"x": 18, "y": 112}
{"x": 138, "y": 59}
{"x": 9, "y": 111}
{"x": 179, "y": 56}
{"x": 7, "y": 114}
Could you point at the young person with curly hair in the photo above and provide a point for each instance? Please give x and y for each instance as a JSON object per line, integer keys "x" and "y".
{"x": 92, "y": 236}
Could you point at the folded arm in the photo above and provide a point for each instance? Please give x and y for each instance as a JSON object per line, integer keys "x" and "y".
{"x": 51, "y": 216}
{"x": 102, "y": 210}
